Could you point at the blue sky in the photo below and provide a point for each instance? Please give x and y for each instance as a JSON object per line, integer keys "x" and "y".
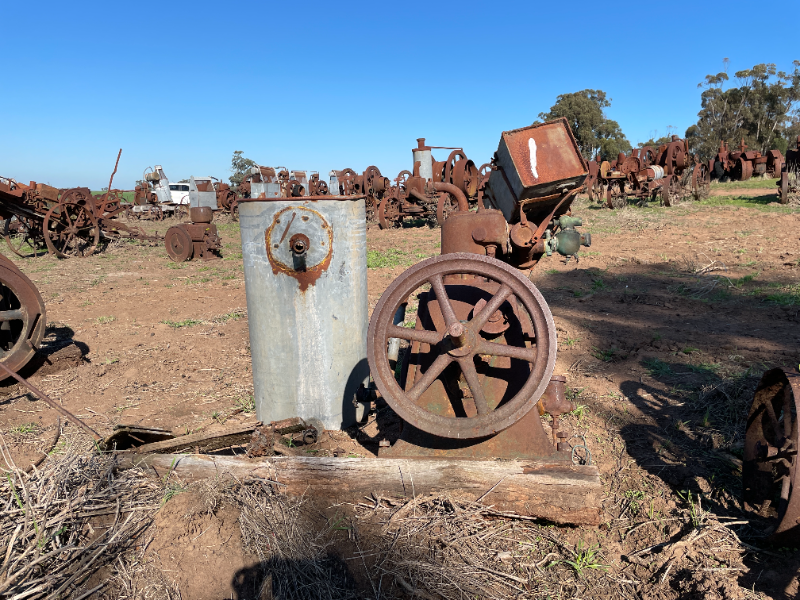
{"x": 321, "y": 86}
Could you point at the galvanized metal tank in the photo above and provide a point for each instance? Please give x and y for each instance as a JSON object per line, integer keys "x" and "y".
{"x": 305, "y": 268}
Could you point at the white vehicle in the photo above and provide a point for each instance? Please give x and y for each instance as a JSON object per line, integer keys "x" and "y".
{"x": 179, "y": 192}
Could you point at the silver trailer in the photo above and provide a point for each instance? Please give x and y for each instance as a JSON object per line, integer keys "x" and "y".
{"x": 202, "y": 193}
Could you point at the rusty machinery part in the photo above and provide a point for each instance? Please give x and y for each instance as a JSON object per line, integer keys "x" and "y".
{"x": 701, "y": 180}
{"x": 389, "y": 213}
{"x": 616, "y": 193}
{"x": 71, "y": 230}
{"x": 22, "y": 317}
{"x": 179, "y": 244}
{"x": 463, "y": 353}
{"x": 772, "y": 440}
{"x": 450, "y": 198}
{"x": 461, "y": 172}
{"x": 24, "y": 236}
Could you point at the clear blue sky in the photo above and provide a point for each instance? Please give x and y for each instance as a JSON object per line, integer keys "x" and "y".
{"x": 321, "y": 86}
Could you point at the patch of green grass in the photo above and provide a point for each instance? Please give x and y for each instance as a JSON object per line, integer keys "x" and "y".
{"x": 184, "y": 323}
{"x": 581, "y": 410}
{"x": 605, "y": 355}
{"x": 657, "y": 368}
{"x": 754, "y": 183}
{"x": 25, "y": 429}
{"x": 571, "y": 341}
{"x": 577, "y": 293}
{"x": 172, "y": 489}
{"x": 108, "y": 319}
{"x": 246, "y": 403}
{"x": 790, "y": 296}
{"x": 598, "y": 284}
{"x": 388, "y": 259}
{"x": 551, "y": 271}
{"x": 231, "y": 316}
{"x": 690, "y": 350}
{"x": 705, "y": 368}
{"x": 583, "y": 558}
{"x": 760, "y": 203}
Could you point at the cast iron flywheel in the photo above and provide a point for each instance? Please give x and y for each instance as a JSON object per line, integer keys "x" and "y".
{"x": 22, "y": 317}
{"x": 464, "y": 342}
{"x": 769, "y": 469}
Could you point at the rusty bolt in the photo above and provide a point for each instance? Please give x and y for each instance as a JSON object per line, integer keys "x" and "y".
{"x": 479, "y": 234}
{"x": 458, "y": 334}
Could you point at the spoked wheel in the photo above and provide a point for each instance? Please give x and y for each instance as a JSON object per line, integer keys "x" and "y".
{"x": 445, "y": 207}
{"x": 180, "y": 212}
{"x": 484, "y": 342}
{"x": 783, "y": 193}
{"x": 701, "y": 181}
{"x": 22, "y": 318}
{"x": 179, "y": 244}
{"x": 769, "y": 469}
{"x": 23, "y": 237}
{"x": 71, "y": 230}
{"x": 616, "y": 196}
{"x": 389, "y": 213}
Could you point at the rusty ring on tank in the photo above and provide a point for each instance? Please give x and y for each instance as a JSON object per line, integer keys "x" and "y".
{"x": 542, "y": 356}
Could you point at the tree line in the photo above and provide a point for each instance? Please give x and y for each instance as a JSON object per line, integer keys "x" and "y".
{"x": 760, "y": 108}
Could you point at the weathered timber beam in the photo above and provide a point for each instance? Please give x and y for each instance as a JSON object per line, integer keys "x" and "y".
{"x": 558, "y": 493}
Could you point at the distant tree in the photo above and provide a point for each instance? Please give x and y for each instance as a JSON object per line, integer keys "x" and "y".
{"x": 239, "y": 167}
{"x": 593, "y": 131}
{"x": 761, "y": 109}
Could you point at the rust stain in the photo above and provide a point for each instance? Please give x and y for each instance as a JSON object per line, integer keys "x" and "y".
{"x": 309, "y": 275}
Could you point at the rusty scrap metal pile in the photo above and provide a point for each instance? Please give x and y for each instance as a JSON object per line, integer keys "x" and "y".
{"x": 68, "y": 223}
{"x": 430, "y": 192}
{"x": 743, "y": 164}
{"x": 668, "y": 174}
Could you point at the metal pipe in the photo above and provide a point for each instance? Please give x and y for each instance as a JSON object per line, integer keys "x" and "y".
{"x": 394, "y": 343}
{"x": 42, "y": 396}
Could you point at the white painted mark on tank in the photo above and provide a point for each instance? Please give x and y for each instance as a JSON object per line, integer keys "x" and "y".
{"x": 532, "y": 148}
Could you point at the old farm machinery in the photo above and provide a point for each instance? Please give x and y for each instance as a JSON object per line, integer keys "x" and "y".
{"x": 769, "y": 468}
{"x": 668, "y": 174}
{"x": 68, "y": 223}
{"x": 433, "y": 189}
{"x": 788, "y": 184}
{"x": 742, "y": 164}
{"x": 22, "y": 317}
{"x": 155, "y": 198}
{"x": 478, "y": 371}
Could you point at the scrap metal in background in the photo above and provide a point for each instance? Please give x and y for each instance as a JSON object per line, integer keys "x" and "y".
{"x": 479, "y": 370}
{"x": 433, "y": 189}
{"x": 68, "y": 222}
{"x": 742, "y": 164}
{"x": 668, "y": 174}
{"x": 198, "y": 239}
{"x": 789, "y": 181}
{"x": 153, "y": 197}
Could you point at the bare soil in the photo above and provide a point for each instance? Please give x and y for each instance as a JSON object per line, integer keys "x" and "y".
{"x": 664, "y": 326}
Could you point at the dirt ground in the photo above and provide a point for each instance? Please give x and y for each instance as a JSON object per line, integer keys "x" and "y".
{"x": 664, "y": 327}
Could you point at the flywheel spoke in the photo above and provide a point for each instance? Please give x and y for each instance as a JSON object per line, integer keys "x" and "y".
{"x": 479, "y": 320}
{"x": 424, "y": 382}
{"x": 444, "y": 301}
{"x": 495, "y": 349}
{"x": 415, "y": 335}
{"x": 471, "y": 376}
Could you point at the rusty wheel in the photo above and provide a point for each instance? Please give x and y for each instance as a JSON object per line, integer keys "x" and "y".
{"x": 701, "y": 181}
{"x": 22, "y": 317}
{"x": 23, "y": 237}
{"x": 389, "y": 213}
{"x": 444, "y": 207}
{"x": 179, "y": 244}
{"x": 484, "y": 324}
{"x": 769, "y": 469}
{"x": 71, "y": 230}
{"x": 616, "y": 195}
{"x": 783, "y": 192}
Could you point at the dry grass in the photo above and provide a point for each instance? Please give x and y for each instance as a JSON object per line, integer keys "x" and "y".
{"x": 66, "y": 520}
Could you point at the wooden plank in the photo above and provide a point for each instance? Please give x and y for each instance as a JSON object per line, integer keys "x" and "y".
{"x": 558, "y": 493}
{"x": 206, "y": 442}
